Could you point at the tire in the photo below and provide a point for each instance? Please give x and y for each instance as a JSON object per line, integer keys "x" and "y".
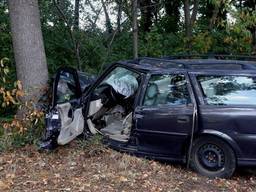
{"x": 212, "y": 157}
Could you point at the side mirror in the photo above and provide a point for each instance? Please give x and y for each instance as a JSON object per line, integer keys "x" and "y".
{"x": 66, "y": 86}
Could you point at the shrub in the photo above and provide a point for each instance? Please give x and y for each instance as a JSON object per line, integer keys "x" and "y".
{"x": 16, "y": 131}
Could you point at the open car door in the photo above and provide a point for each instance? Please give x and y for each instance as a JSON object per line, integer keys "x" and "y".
{"x": 65, "y": 120}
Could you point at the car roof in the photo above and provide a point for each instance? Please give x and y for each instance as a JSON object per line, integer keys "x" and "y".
{"x": 163, "y": 64}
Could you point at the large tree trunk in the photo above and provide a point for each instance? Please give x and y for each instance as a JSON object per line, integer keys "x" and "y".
{"x": 135, "y": 28}
{"x": 28, "y": 46}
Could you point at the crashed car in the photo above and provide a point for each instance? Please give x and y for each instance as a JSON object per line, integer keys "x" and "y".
{"x": 196, "y": 111}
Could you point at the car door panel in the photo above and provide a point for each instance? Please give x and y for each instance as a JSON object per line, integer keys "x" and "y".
{"x": 164, "y": 129}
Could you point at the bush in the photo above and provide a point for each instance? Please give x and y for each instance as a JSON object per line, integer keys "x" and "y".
{"x": 15, "y": 132}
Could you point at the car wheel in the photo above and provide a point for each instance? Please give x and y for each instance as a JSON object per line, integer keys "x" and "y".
{"x": 212, "y": 157}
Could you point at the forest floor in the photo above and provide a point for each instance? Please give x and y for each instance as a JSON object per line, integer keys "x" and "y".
{"x": 92, "y": 167}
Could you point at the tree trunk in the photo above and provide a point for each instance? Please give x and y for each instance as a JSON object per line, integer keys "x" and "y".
{"x": 188, "y": 28}
{"x": 119, "y": 15}
{"x": 214, "y": 17}
{"x": 146, "y": 9}
{"x": 28, "y": 46}
{"x": 76, "y": 15}
{"x": 135, "y": 29}
{"x": 76, "y": 30}
{"x": 190, "y": 20}
{"x": 108, "y": 21}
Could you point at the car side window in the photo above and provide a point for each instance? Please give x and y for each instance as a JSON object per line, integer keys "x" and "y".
{"x": 166, "y": 90}
{"x": 228, "y": 90}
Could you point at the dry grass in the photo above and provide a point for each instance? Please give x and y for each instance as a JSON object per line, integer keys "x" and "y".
{"x": 79, "y": 167}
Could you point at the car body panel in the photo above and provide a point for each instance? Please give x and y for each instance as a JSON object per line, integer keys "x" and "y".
{"x": 165, "y": 132}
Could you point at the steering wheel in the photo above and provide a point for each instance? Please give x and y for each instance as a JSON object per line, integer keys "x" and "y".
{"x": 106, "y": 91}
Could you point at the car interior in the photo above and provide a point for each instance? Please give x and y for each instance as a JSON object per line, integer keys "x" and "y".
{"x": 166, "y": 89}
{"x": 111, "y": 106}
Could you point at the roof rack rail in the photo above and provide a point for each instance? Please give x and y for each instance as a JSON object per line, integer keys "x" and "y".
{"x": 212, "y": 56}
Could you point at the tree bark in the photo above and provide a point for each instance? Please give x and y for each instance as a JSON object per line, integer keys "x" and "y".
{"x": 146, "y": 9}
{"x": 187, "y": 19}
{"x": 76, "y": 30}
{"x": 190, "y": 20}
{"x": 28, "y": 47}
{"x": 108, "y": 21}
{"x": 214, "y": 17}
{"x": 76, "y": 15}
{"x": 135, "y": 29}
{"x": 119, "y": 15}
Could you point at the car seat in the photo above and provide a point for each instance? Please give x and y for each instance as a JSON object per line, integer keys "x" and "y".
{"x": 151, "y": 95}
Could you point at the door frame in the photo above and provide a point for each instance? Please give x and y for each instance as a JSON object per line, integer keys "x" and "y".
{"x": 78, "y": 91}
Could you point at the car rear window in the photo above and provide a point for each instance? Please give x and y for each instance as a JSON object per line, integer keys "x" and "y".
{"x": 228, "y": 90}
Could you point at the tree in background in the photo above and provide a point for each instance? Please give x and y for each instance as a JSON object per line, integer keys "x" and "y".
{"x": 190, "y": 19}
{"x": 163, "y": 30}
{"x": 249, "y": 13}
{"x": 172, "y": 17}
{"x": 28, "y": 46}
{"x": 146, "y": 10}
{"x": 135, "y": 29}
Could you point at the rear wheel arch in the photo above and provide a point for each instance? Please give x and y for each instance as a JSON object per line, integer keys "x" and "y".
{"x": 208, "y": 135}
{"x": 224, "y": 137}
{"x": 216, "y": 143}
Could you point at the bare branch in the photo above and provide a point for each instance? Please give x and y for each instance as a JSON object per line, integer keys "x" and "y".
{"x": 69, "y": 28}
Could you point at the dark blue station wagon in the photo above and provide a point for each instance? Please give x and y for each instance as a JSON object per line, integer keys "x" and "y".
{"x": 201, "y": 112}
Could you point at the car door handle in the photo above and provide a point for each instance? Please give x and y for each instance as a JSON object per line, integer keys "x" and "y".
{"x": 183, "y": 119}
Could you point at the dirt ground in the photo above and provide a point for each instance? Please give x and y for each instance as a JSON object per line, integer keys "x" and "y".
{"x": 79, "y": 167}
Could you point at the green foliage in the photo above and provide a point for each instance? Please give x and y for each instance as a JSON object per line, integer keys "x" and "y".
{"x": 10, "y": 90}
{"x": 164, "y": 36}
{"x": 13, "y": 139}
{"x": 5, "y": 36}
{"x": 13, "y": 131}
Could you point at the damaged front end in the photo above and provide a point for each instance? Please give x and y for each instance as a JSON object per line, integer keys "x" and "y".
{"x": 64, "y": 120}
{"x": 104, "y": 107}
